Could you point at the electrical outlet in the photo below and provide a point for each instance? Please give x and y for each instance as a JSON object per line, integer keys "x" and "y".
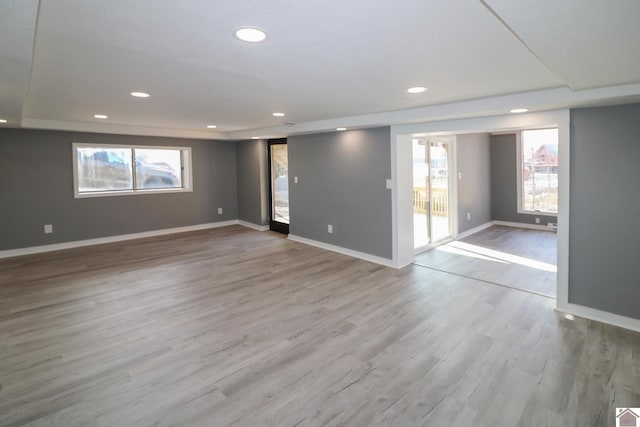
{"x": 330, "y": 229}
{"x": 459, "y": 175}
{"x": 388, "y": 184}
{"x": 468, "y": 216}
{"x": 295, "y": 179}
{"x": 219, "y": 211}
{"x": 48, "y": 228}
{"x": 537, "y": 220}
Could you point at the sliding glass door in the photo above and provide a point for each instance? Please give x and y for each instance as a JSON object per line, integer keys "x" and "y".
{"x": 279, "y": 185}
{"x": 431, "y": 201}
{"x": 439, "y": 185}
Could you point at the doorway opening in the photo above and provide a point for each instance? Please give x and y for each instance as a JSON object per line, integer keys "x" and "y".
{"x": 432, "y": 201}
{"x": 506, "y": 216}
{"x": 501, "y": 152}
{"x": 279, "y": 185}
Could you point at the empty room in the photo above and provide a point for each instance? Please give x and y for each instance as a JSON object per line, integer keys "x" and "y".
{"x": 249, "y": 213}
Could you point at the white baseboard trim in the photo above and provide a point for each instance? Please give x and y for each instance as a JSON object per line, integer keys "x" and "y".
{"x": 349, "y": 252}
{"x": 474, "y": 230}
{"x": 601, "y": 316}
{"x": 402, "y": 265}
{"x": 253, "y": 226}
{"x": 524, "y": 225}
{"x": 112, "y": 239}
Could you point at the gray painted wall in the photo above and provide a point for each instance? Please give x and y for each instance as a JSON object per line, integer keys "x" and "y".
{"x": 36, "y": 179}
{"x": 252, "y": 172}
{"x": 604, "y": 237}
{"x": 473, "y": 158}
{"x": 504, "y": 183}
{"x": 342, "y": 181}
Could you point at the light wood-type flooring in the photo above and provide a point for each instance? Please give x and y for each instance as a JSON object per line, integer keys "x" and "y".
{"x": 514, "y": 257}
{"x": 234, "y": 327}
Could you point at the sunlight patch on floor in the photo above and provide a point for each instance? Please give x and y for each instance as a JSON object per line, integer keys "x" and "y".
{"x": 475, "y": 251}
{"x": 457, "y": 251}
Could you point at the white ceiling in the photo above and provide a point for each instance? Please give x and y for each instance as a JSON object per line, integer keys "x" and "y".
{"x": 17, "y": 23}
{"x": 585, "y": 43}
{"x": 324, "y": 63}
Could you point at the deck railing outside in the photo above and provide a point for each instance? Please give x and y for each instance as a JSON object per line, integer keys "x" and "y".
{"x": 439, "y": 206}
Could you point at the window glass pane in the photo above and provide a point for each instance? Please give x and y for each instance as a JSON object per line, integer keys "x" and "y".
{"x": 158, "y": 168}
{"x": 540, "y": 170}
{"x": 280, "y": 183}
{"x": 104, "y": 169}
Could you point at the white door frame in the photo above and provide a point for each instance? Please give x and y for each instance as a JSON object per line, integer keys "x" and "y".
{"x": 452, "y": 173}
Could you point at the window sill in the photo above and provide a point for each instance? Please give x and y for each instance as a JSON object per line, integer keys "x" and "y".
{"x": 131, "y": 193}
{"x": 538, "y": 213}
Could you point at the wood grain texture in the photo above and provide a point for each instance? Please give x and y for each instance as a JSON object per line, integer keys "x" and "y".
{"x": 234, "y": 327}
{"x": 513, "y": 257}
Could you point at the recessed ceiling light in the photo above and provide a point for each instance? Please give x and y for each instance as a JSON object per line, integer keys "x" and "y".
{"x": 100, "y": 116}
{"x": 279, "y": 114}
{"x": 255, "y": 137}
{"x": 211, "y": 126}
{"x": 3, "y": 121}
{"x": 417, "y": 89}
{"x": 341, "y": 129}
{"x": 140, "y": 94}
{"x": 519, "y": 110}
{"x": 251, "y": 35}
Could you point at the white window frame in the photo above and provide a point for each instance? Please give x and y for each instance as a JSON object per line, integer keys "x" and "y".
{"x": 521, "y": 209}
{"x": 187, "y": 171}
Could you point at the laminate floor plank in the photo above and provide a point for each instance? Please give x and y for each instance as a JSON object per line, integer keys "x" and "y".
{"x": 518, "y": 258}
{"x": 233, "y": 327}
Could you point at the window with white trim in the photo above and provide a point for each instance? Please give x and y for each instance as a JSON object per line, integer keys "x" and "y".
{"x": 111, "y": 170}
{"x": 538, "y": 171}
